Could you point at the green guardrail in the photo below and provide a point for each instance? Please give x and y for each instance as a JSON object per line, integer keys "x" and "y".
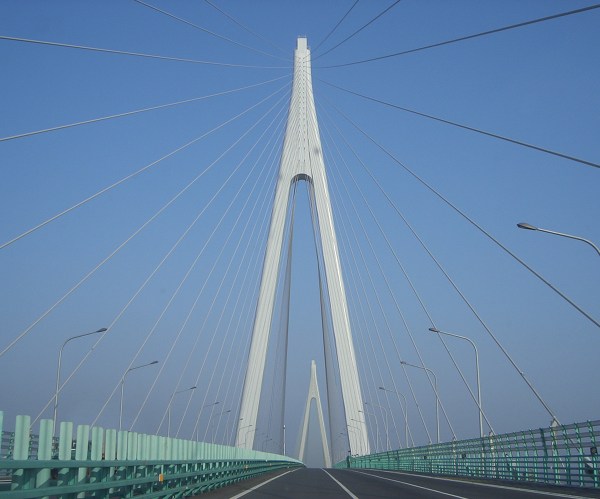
{"x": 106, "y": 463}
{"x": 558, "y": 455}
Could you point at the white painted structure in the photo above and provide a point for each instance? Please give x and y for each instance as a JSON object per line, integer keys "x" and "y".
{"x": 313, "y": 394}
{"x": 302, "y": 159}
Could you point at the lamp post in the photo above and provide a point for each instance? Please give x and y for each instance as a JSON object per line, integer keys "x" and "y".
{"x": 229, "y": 435}
{"x": 240, "y": 430}
{"x": 387, "y": 428}
{"x": 437, "y": 397}
{"x": 284, "y": 440}
{"x": 195, "y": 430}
{"x": 527, "y": 226}
{"x": 123, "y": 388}
{"x": 246, "y": 435}
{"x": 377, "y": 447}
{"x": 405, "y": 410}
{"x": 360, "y": 433}
{"x": 169, "y": 407}
{"x": 54, "y": 416}
{"x": 351, "y": 429}
{"x": 216, "y": 425}
{"x": 265, "y": 442}
{"x": 435, "y": 330}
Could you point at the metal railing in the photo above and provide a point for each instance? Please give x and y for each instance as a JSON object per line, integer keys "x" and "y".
{"x": 559, "y": 455}
{"x": 109, "y": 463}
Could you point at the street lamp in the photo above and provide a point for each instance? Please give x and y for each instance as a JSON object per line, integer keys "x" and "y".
{"x": 437, "y": 397}
{"x": 527, "y": 226}
{"x": 387, "y": 428}
{"x": 405, "y": 410}
{"x": 265, "y": 442}
{"x": 435, "y": 330}
{"x": 101, "y": 330}
{"x": 198, "y": 419}
{"x": 239, "y": 431}
{"x": 169, "y": 407}
{"x": 246, "y": 436}
{"x": 360, "y": 433}
{"x": 216, "y": 425}
{"x": 377, "y": 447}
{"x": 123, "y": 388}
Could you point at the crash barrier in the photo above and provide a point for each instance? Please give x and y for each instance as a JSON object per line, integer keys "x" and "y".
{"x": 559, "y": 454}
{"x": 106, "y": 463}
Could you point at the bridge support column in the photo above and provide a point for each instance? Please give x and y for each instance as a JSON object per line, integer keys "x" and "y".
{"x": 302, "y": 159}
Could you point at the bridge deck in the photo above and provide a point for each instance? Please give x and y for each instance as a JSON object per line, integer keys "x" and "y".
{"x": 344, "y": 484}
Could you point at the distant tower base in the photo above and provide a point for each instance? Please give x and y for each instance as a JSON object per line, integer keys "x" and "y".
{"x": 313, "y": 393}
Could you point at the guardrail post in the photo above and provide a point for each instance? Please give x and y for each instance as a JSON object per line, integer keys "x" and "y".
{"x": 44, "y": 452}
{"x": 545, "y": 458}
{"x": 1, "y": 433}
{"x": 98, "y": 474}
{"x": 591, "y": 463}
{"x": 65, "y": 442}
{"x": 20, "y": 479}
{"x": 81, "y": 453}
{"x": 122, "y": 448}
{"x": 555, "y": 455}
{"x": 110, "y": 454}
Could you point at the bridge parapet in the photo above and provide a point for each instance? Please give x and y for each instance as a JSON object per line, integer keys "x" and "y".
{"x": 557, "y": 455}
{"x": 111, "y": 463}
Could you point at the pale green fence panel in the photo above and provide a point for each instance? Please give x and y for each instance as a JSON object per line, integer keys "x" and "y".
{"x": 104, "y": 463}
{"x": 559, "y": 455}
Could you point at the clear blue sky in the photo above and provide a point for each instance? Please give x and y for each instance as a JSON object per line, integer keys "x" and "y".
{"x": 537, "y": 84}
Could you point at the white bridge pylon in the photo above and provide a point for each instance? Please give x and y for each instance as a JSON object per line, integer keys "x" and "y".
{"x": 313, "y": 393}
{"x": 302, "y": 159}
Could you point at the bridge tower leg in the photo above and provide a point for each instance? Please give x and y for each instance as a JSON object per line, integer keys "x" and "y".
{"x": 302, "y": 159}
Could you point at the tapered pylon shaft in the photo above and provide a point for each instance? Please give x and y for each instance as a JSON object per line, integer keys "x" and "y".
{"x": 302, "y": 159}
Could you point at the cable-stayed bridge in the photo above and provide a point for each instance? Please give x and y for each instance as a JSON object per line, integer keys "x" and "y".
{"x": 356, "y": 205}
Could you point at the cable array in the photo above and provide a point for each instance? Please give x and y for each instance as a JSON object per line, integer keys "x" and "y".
{"x": 213, "y": 261}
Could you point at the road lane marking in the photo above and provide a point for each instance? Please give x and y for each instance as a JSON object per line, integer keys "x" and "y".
{"x": 341, "y": 485}
{"x": 413, "y": 485}
{"x": 261, "y": 484}
{"x": 493, "y": 485}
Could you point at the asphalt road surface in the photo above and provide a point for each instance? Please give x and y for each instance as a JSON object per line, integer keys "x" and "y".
{"x": 353, "y": 484}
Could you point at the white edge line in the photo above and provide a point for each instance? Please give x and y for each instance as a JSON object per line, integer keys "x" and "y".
{"x": 493, "y": 485}
{"x": 261, "y": 484}
{"x": 341, "y": 485}
{"x": 413, "y": 485}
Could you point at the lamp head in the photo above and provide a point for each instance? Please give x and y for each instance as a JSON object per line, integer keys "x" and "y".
{"x": 526, "y": 226}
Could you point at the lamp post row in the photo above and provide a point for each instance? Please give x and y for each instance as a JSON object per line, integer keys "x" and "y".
{"x": 122, "y": 382}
